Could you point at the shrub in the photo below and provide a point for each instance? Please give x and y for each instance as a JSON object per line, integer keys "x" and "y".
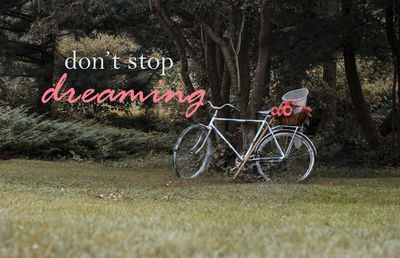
{"x": 22, "y": 134}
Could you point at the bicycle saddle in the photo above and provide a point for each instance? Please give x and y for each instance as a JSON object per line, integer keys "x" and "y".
{"x": 264, "y": 113}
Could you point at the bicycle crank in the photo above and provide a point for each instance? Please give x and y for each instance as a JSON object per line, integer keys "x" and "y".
{"x": 238, "y": 162}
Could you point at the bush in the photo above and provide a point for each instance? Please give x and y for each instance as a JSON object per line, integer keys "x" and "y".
{"x": 22, "y": 134}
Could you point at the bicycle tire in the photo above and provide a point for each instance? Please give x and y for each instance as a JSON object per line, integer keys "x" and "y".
{"x": 191, "y": 153}
{"x": 297, "y": 166}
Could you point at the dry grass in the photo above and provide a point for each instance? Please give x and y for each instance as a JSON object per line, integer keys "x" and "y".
{"x": 70, "y": 209}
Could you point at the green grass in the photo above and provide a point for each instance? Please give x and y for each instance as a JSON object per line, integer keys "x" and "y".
{"x": 71, "y": 209}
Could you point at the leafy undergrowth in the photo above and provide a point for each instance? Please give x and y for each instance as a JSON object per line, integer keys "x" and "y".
{"x": 72, "y": 209}
{"x": 24, "y": 135}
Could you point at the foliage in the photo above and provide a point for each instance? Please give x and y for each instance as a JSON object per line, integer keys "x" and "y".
{"x": 343, "y": 143}
{"x": 304, "y": 36}
{"x": 38, "y": 35}
{"x": 22, "y": 134}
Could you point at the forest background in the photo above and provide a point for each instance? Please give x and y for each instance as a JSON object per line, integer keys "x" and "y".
{"x": 247, "y": 53}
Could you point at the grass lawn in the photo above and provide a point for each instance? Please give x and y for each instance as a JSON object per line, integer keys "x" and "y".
{"x": 71, "y": 209}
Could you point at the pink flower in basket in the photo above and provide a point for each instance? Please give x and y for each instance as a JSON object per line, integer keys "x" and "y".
{"x": 286, "y": 108}
{"x": 275, "y": 111}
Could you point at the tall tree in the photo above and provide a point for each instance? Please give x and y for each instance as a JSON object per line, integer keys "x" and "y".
{"x": 329, "y": 74}
{"x": 24, "y": 57}
{"x": 225, "y": 34}
{"x": 392, "y": 25}
{"x": 361, "y": 110}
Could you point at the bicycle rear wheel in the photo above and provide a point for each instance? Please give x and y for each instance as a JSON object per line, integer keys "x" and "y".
{"x": 296, "y": 166}
{"x": 191, "y": 151}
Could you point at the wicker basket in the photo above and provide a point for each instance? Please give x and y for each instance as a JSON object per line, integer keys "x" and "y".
{"x": 295, "y": 119}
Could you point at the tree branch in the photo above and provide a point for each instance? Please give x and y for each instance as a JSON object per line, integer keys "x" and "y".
{"x": 224, "y": 48}
{"x": 237, "y": 50}
{"x": 179, "y": 45}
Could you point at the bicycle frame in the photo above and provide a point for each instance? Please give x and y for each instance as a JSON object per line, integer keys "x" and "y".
{"x": 263, "y": 122}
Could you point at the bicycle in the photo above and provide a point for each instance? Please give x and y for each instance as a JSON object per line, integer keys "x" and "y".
{"x": 281, "y": 153}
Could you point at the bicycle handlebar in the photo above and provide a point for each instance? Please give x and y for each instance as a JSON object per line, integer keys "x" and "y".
{"x": 221, "y": 107}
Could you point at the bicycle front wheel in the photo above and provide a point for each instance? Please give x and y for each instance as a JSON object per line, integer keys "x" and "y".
{"x": 191, "y": 152}
{"x": 296, "y": 165}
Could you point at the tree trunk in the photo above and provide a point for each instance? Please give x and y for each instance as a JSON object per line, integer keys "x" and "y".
{"x": 211, "y": 65}
{"x": 360, "y": 106}
{"x": 46, "y": 74}
{"x": 262, "y": 69}
{"x": 218, "y": 53}
{"x": 394, "y": 42}
{"x": 328, "y": 120}
{"x": 244, "y": 90}
{"x": 262, "y": 73}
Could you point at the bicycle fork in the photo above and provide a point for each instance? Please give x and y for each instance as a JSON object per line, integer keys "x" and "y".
{"x": 198, "y": 141}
